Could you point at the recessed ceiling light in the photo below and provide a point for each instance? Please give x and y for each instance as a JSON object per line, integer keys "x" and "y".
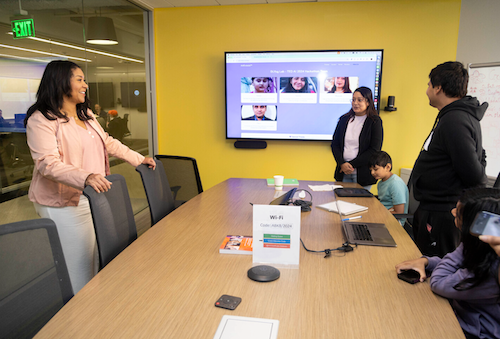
{"x": 44, "y": 53}
{"x": 24, "y": 58}
{"x": 89, "y": 50}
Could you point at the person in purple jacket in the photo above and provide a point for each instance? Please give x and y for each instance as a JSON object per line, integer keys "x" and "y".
{"x": 468, "y": 277}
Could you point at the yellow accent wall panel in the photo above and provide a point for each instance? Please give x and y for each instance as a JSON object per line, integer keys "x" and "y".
{"x": 190, "y": 43}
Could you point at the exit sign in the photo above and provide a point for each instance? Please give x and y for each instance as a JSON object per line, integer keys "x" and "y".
{"x": 23, "y": 28}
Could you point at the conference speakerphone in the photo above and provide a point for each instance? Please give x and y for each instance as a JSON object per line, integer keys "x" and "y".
{"x": 263, "y": 273}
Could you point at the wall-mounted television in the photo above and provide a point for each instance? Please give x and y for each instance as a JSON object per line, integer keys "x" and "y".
{"x": 134, "y": 95}
{"x": 295, "y": 95}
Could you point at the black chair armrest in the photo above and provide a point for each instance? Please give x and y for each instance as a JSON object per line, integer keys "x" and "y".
{"x": 174, "y": 190}
{"x": 403, "y": 215}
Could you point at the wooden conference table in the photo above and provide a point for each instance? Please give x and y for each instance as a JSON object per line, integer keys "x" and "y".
{"x": 165, "y": 284}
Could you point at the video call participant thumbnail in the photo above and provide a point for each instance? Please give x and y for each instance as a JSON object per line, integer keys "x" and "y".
{"x": 259, "y": 112}
{"x": 263, "y": 85}
{"x": 297, "y": 85}
{"x": 341, "y": 85}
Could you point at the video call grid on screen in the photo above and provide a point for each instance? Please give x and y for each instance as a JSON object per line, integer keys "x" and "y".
{"x": 301, "y": 86}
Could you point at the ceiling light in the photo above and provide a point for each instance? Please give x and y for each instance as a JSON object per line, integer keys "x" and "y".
{"x": 101, "y": 31}
{"x": 45, "y": 53}
{"x": 89, "y": 50}
{"x": 24, "y": 58}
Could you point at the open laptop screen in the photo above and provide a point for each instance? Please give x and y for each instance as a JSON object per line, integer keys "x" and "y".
{"x": 284, "y": 199}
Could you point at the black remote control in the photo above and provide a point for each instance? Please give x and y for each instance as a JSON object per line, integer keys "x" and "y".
{"x": 227, "y": 301}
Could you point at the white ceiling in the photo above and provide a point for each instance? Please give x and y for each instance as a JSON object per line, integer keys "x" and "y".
{"x": 151, "y": 4}
{"x": 62, "y": 21}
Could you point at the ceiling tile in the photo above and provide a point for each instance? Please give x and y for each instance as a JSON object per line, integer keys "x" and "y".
{"x": 192, "y": 3}
{"x": 240, "y": 2}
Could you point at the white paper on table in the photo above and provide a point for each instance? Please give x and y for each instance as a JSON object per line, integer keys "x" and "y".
{"x": 232, "y": 327}
{"x": 346, "y": 208}
{"x": 276, "y": 235}
{"x": 326, "y": 187}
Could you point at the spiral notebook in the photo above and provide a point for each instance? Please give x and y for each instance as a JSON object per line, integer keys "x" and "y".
{"x": 346, "y": 208}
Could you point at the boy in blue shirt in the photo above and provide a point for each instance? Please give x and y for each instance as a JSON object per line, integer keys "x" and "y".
{"x": 392, "y": 190}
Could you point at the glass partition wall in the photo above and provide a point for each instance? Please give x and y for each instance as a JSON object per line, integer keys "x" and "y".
{"x": 106, "y": 38}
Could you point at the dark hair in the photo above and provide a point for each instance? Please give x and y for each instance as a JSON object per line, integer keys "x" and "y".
{"x": 478, "y": 255}
{"x": 54, "y": 86}
{"x": 371, "y": 112}
{"x": 380, "y": 158}
{"x": 289, "y": 88}
{"x": 346, "y": 88}
{"x": 452, "y": 77}
{"x": 271, "y": 86}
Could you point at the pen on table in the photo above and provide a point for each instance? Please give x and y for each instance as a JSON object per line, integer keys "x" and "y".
{"x": 347, "y": 219}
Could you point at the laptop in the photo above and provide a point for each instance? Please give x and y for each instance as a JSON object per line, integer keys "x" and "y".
{"x": 353, "y": 192}
{"x": 284, "y": 199}
{"x": 364, "y": 233}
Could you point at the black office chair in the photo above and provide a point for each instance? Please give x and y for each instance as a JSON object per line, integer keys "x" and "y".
{"x": 497, "y": 182}
{"x": 118, "y": 128}
{"x": 183, "y": 176}
{"x": 113, "y": 218}
{"x": 412, "y": 207}
{"x": 127, "y": 131}
{"x": 19, "y": 156}
{"x": 160, "y": 198}
{"x": 101, "y": 122}
{"x": 34, "y": 280}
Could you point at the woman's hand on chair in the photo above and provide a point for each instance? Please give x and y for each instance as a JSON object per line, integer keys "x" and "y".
{"x": 98, "y": 182}
{"x": 150, "y": 162}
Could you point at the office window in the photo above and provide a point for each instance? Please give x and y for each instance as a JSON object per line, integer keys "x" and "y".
{"x": 111, "y": 71}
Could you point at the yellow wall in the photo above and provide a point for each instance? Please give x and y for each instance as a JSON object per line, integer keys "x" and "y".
{"x": 190, "y": 44}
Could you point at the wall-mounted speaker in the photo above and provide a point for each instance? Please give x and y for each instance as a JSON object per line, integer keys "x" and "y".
{"x": 390, "y": 104}
{"x": 252, "y": 144}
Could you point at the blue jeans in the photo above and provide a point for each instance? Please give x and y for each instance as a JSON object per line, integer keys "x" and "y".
{"x": 354, "y": 178}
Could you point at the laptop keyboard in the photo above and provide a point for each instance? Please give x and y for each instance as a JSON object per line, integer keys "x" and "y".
{"x": 361, "y": 232}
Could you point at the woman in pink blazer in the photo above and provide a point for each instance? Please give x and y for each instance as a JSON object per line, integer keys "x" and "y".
{"x": 70, "y": 151}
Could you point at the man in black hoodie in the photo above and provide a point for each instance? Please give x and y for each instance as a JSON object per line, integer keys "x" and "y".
{"x": 452, "y": 159}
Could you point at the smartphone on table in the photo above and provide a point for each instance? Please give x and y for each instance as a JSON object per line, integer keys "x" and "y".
{"x": 486, "y": 223}
{"x": 410, "y": 276}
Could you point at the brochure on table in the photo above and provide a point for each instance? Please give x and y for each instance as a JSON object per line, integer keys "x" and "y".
{"x": 232, "y": 326}
{"x": 276, "y": 234}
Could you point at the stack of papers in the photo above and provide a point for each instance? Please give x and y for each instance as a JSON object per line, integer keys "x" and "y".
{"x": 326, "y": 187}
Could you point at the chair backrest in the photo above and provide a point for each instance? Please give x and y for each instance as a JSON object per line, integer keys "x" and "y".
{"x": 183, "y": 173}
{"x": 407, "y": 218}
{"x": 497, "y": 182}
{"x": 160, "y": 198}
{"x": 101, "y": 122}
{"x": 34, "y": 280}
{"x": 412, "y": 203}
{"x": 113, "y": 218}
